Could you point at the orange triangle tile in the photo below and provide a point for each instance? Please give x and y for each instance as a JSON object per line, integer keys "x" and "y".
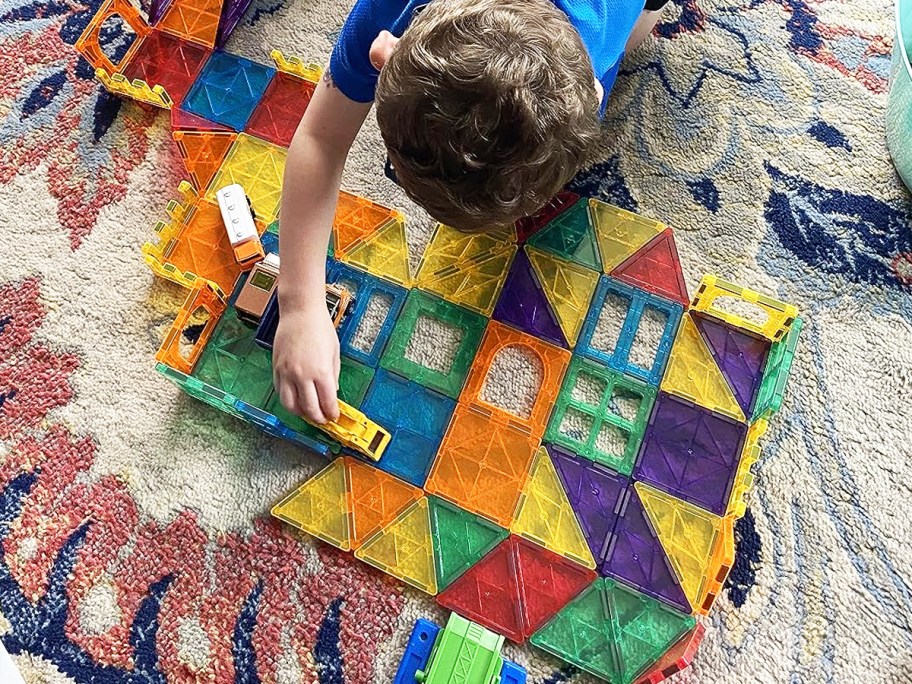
{"x": 376, "y": 498}
{"x": 203, "y": 154}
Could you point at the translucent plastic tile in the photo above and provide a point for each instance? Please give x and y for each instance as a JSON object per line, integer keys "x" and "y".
{"x": 620, "y": 233}
{"x": 529, "y": 225}
{"x": 383, "y": 253}
{"x": 415, "y": 417}
{"x": 195, "y": 20}
{"x": 618, "y": 355}
{"x": 319, "y": 507}
{"x": 604, "y": 412}
{"x": 201, "y": 300}
{"x": 228, "y": 89}
{"x": 570, "y": 236}
{"x": 375, "y": 499}
{"x": 258, "y": 167}
{"x": 482, "y": 465}
{"x": 364, "y": 288}
{"x": 460, "y": 539}
{"x": 355, "y": 219}
{"x": 404, "y": 548}
{"x": 656, "y": 268}
{"x": 699, "y": 545}
{"x": 468, "y": 269}
{"x": 203, "y": 153}
{"x": 691, "y": 452}
{"x": 234, "y": 363}
{"x": 777, "y": 317}
{"x": 741, "y": 356}
{"x": 554, "y": 360}
{"x": 613, "y": 632}
{"x": 776, "y": 374}
{"x": 469, "y": 324}
{"x": 692, "y": 373}
{"x": 547, "y": 583}
{"x": 595, "y": 493}
{"x": 545, "y": 516}
{"x": 489, "y": 593}
{"x": 281, "y": 109}
{"x": 568, "y": 287}
{"x": 744, "y": 478}
{"x": 194, "y": 245}
{"x": 89, "y": 44}
{"x": 636, "y": 556}
{"x": 523, "y": 304}
{"x": 676, "y": 658}
{"x": 168, "y": 61}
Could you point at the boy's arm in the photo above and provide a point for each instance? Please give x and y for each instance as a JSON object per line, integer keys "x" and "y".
{"x": 306, "y": 350}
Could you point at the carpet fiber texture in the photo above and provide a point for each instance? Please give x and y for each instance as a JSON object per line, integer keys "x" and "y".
{"x": 136, "y": 545}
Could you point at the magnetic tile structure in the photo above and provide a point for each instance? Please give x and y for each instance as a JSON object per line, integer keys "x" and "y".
{"x": 596, "y": 522}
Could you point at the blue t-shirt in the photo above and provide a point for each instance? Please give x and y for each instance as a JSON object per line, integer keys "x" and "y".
{"x": 604, "y": 25}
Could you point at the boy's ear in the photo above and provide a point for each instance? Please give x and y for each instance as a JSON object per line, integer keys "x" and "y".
{"x": 382, "y": 48}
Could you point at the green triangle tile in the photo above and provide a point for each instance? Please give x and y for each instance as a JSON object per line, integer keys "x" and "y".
{"x": 583, "y": 634}
{"x": 460, "y": 539}
{"x": 644, "y": 628}
{"x": 571, "y": 236}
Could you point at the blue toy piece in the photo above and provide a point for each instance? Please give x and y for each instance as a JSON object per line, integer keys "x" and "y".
{"x": 638, "y": 301}
{"x": 364, "y": 288}
{"x": 417, "y": 651}
{"x": 269, "y": 324}
{"x": 426, "y": 637}
{"x": 228, "y": 89}
{"x": 391, "y": 401}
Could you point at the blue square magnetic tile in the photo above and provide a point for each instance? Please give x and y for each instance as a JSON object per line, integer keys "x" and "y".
{"x": 228, "y": 89}
{"x": 416, "y": 418}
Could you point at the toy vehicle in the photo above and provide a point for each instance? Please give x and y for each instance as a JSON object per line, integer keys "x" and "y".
{"x": 237, "y": 215}
{"x": 338, "y": 302}
{"x": 461, "y": 653}
{"x": 259, "y": 290}
{"x": 356, "y": 431}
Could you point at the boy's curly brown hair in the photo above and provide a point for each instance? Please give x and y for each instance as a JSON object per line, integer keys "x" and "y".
{"x": 487, "y": 109}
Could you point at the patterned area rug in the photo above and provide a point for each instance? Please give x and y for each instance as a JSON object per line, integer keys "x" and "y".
{"x": 136, "y": 545}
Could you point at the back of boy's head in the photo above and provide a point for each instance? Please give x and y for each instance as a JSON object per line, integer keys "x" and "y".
{"x": 487, "y": 109}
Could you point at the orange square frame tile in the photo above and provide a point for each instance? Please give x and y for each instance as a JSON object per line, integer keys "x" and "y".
{"x": 482, "y": 464}
{"x": 554, "y": 361}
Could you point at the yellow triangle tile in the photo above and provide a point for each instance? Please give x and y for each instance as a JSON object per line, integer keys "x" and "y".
{"x": 404, "y": 548}
{"x": 319, "y": 507}
{"x": 568, "y": 288}
{"x": 450, "y": 248}
{"x": 692, "y": 373}
{"x": 384, "y": 253}
{"x": 699, "y": 545}
{"x": 545, "y": 516}
{"x": 620, "y": 233}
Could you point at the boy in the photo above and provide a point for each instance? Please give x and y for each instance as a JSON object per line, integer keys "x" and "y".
{"x": 487, "y": 109}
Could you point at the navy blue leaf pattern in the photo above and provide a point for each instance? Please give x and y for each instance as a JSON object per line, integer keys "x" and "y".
{"x": 829, "y": 135}
{"x": 706, "y": 193}
{"x": 835, "y": 231}
{"x": 326, "y": 651}
{"x": 747, "y": 556}
{"x": 604, "y": 181}
{"x": 242, "y": 640}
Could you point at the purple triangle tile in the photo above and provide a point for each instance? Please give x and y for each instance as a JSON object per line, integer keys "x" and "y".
{"x": 595, "y": 493}
{"x": 157, "y": 10}
{"x": 741, "y": 357}
{"x": 523, "y": 304}
{"x": 691, "y": 452}
{"x": 636, "y": 557}
{"x": 232, "y": 12}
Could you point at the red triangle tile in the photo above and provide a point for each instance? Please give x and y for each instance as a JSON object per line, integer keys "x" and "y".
{"x": 655, "y": 267}
{"x": 488, "y": 593}
{"x": 548, "y": 582}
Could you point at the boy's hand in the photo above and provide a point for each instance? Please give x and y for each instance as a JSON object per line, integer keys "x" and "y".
{"x": 305, "y": 363}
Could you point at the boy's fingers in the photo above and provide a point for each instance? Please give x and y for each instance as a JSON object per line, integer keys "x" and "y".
{"x": 288, "y": 397}
{"x": 311, "y": 403}
{"x": 329, "y": 402}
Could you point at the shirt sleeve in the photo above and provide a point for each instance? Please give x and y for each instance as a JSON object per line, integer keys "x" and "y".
{"x": 349, "y": 63}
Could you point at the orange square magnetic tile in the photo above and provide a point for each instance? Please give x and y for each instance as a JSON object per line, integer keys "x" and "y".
{"x": 482, "y": 464}
{"x": 554, "y": 362}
